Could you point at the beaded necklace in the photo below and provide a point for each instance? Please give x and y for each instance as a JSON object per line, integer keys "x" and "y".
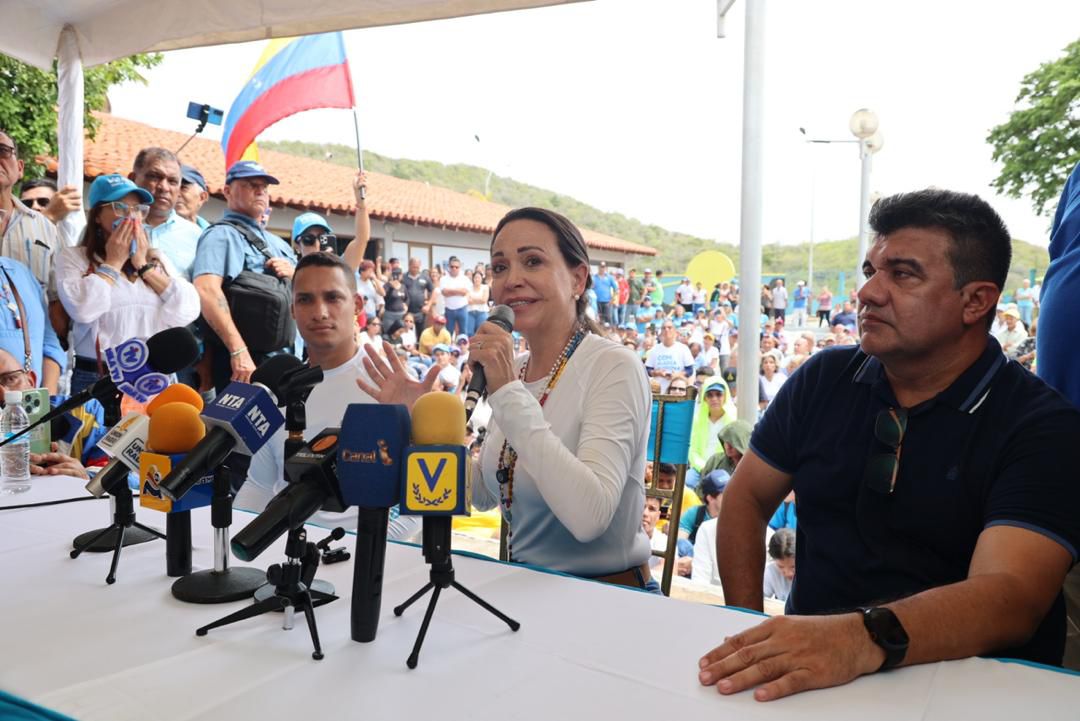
{"x": 508, "y": 456}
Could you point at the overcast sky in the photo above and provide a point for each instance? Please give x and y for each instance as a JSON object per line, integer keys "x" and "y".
{"x": 635, "y": 105}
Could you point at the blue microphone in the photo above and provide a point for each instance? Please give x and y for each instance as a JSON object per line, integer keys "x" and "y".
{"x": 241, "y": 419}
{"x": 371, "y": 446}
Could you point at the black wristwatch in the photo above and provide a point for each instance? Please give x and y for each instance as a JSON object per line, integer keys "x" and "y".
{"x": 146, "y": 269}
{"x": 887, "y": 632}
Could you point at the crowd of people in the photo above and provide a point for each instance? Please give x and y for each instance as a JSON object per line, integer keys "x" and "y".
{"x": 973, "y": 511}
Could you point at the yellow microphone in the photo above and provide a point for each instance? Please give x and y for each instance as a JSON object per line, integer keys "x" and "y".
{"x": 436, "y": 479}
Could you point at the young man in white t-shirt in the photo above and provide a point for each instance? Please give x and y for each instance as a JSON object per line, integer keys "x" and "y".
{"x": 325, "y": 305}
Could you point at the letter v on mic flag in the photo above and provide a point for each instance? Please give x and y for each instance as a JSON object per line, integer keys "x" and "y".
{"x": 304, "y": 74}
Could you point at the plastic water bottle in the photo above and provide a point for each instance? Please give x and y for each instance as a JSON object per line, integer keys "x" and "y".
{"x": 15, "y": 456}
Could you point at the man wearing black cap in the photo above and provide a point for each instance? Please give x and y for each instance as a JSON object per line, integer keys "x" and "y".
{"x": 226, "y": 250}
{"x": 193, "y": 194}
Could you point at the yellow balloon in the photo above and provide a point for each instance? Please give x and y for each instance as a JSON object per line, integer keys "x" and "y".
{"x": 709, "y": 268}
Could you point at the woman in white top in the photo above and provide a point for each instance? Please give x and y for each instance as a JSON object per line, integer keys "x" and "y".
{"x": 564, "y": 456}
{"x": 438, "y": 303}
{"x": 770, "y": 380}
{"x": 478, "y": 303}
{"x": 113, "y": 284}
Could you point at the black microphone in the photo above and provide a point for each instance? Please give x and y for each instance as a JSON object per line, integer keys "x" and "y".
{"x": 502, "y": 316}
{"x": 166, "y": 352}
{"x": 242, "y": 418}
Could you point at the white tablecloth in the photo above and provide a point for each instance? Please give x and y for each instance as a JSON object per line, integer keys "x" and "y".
{"x": 584, "y": 651}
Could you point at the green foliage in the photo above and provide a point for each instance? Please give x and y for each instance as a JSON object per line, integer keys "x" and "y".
{"x": 28, "y": 98}
{"x": 1040, "y": 143}
{"x": 676, "y": 249}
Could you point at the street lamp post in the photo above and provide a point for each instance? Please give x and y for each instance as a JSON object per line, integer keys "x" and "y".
{"x": 864, "y": 126}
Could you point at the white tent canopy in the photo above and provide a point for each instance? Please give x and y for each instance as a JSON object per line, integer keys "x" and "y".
{"x": 90, "y": 32}
{"x": 108, "y": 29}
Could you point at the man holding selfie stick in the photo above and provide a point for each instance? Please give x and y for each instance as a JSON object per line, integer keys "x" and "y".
{"x": 158, "y": 171}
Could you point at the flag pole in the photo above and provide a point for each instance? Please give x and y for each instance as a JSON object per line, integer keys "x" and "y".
{"x": 359, "y": 151}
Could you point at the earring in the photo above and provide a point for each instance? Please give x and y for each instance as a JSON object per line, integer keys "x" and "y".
{"x": 576, "y": 297}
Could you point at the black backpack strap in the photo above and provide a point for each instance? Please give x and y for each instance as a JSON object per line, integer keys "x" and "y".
{"x": 248, "y": 233}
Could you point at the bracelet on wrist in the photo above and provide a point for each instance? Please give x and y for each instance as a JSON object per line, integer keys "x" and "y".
{"x": 146, "y": 269}
{"x": 238, "y": 352}
{"x": 108, "y": 272}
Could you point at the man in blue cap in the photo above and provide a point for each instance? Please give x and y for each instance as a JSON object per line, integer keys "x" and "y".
{"x": 226, "y": 250}
{"x": 193, "y": 195}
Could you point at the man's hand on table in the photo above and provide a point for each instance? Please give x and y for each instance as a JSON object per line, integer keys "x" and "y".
{"x": 56, "y": 464}
{"x": 789, "y": 654}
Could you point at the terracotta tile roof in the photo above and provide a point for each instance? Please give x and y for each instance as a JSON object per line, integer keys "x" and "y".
{"x": 314, "y": 184}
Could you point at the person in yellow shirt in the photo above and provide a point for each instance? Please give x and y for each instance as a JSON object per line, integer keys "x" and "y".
{"x": 433, "y": 335}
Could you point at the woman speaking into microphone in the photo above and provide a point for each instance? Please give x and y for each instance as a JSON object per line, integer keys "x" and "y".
{"x": 564, "y": 456}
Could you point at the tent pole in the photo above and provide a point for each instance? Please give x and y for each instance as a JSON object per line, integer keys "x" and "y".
{"x": 70, "y": 122}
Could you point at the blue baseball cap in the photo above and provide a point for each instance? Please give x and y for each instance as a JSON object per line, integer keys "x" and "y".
{"x": 305, "y": 221}
{"x": 191, "y": 174}
{"x": 441, "y": 347}
{"x": 249, "y": 169}
{"x": 112, "y": 187}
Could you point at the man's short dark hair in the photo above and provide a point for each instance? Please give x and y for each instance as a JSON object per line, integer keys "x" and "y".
{"x": 38, "y": 183}
{"x": 149, "y": 155}
{"x": 981, "y": 247}
{"x": 782, "y": 544}
{"x": 326, "y": 260}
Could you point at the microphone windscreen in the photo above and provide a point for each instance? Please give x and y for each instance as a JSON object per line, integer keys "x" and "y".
{"x": 175, "y": 428}
{"x": 176, "y": 393}
{"x": 272, "y": 370}
{"x": 371, "y": 445}
{"x": 172, "y": 350}
{"x": 438, "y": 418}
{"x": 502, "y": 316}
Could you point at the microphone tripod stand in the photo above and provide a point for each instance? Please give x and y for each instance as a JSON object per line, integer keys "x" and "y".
{"x": 123, "y": 522}
{"x": 436, "y": 536}
{"x": 103, "y": 540}
{"x": 292, "y": 590}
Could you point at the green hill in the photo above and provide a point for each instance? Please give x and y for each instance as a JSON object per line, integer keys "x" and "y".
{"x": 676, "y": 249}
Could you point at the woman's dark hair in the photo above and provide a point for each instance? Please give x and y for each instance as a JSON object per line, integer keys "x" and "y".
{"x": 571, "y": 246}
{"x": 782, "y": 544}
{"x": 476, "y": 273}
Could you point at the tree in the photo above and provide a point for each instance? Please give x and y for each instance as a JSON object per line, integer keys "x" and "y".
{"x": 28, "y": 99}
{"x": 1040, "y": 143}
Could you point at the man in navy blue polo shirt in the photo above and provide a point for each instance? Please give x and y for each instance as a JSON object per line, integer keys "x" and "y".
{"x": 938, "y": 508}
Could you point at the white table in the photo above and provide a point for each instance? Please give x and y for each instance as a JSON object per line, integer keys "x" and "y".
{"x": 584, "y": 651}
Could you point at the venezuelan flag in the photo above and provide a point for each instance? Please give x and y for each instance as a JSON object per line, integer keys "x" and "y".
{"x": 291, "y": 77}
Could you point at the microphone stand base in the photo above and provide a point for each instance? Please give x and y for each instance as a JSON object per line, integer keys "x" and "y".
{"x": 107, "y": 542}
{"x": 268, "y": 590}
{"x": 210, "y": 586}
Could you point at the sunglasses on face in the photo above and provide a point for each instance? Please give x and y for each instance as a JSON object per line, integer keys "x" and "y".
{"x": 310, "y": 239}
{"x": 882, "y": 469}
{"x": 123, "y": 210}
{"x": 39, "y": 202}
{"x": 7, "y": 151}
